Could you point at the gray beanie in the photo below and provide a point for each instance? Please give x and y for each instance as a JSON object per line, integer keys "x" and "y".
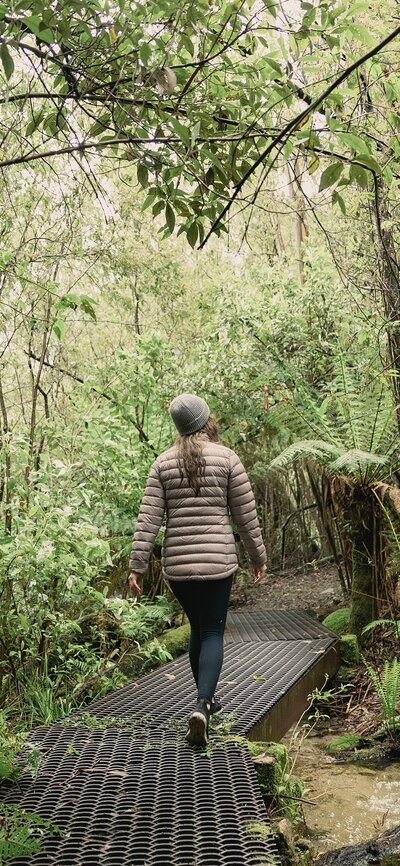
{"x": 189, "y": 413}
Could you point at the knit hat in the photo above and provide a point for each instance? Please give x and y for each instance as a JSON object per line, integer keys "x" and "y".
{"x": 189, "y": 413}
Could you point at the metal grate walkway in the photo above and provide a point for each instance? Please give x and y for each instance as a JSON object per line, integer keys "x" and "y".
{"x": 131, "y": 792}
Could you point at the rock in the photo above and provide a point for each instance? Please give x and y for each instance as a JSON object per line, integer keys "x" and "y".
{"x": 285, "y": 839}
{"x": 304, "y": 844}
{"x": 285, "y": 829}
{"x": 176, "y": 640}
{"x": 338, "y": 620}
{"x": 349, "y": 649}
{"x": 383, "y": 851}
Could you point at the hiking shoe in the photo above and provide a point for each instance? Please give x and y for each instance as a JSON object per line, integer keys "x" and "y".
{"x": 198, "y": 724}
{"x": 216, "y": 706}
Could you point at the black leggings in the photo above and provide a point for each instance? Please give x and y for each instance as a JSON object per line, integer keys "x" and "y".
{"x": 205, "y": 603}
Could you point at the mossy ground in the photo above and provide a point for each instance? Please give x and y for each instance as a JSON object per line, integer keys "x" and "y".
{"x": 176, "y": 640}
{"x": 338, "y": 620}
{"x": 278, "y": 785}
{"x": 349, "y": 649}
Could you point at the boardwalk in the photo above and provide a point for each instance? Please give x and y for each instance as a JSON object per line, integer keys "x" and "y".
{"x": 128, "y": 790}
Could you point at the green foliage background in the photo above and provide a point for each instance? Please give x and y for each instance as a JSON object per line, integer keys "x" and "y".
{"x": 122, "y": 146}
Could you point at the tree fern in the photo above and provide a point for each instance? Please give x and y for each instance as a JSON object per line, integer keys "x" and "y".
{"x": 352, "y": 404}
{"x": 353, "y": 428}
{"x": 321, "y": 451}
{"x": 387, "y": 687}
{"x": 384, "y": 435}
{"x": 356, "y": 462}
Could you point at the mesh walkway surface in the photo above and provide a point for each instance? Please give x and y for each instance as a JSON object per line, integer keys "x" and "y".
{"x": 130, "y": 792}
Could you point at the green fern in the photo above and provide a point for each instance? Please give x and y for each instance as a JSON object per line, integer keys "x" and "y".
{"x": 320, "y": 451}
{"x": 353, "y": 428}
{"x": 387, "y": 687}
{"x": 394, "y": 626}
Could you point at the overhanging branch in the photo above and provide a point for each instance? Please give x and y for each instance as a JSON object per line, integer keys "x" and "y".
{"x": 295, "y": 123}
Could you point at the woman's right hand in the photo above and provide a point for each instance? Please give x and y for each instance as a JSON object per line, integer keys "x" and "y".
{"x": 259, "y": 571}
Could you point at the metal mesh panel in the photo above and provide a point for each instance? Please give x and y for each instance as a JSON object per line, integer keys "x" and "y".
{"x": 254, "y": 677}
{"x": 131, "y": 792}
{"x": 123, "y": 802}
{"x": 265, "y": 625}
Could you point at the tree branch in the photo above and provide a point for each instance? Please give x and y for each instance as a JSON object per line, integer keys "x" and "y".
{"x": 295, "y": 123}
{"x": 142, "y": 434}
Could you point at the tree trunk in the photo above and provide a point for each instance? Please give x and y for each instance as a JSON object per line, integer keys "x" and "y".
{"x": 361, "y": 517}
{"x": 389, "y": 273}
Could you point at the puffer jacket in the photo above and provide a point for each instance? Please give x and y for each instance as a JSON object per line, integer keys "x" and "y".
{"x": 198, "y": 542}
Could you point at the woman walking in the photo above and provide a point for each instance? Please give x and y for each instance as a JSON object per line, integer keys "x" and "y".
{"x": 198, "y": 482}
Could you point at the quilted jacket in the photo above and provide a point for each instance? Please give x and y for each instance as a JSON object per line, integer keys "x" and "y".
{"x": 198, "y": 542}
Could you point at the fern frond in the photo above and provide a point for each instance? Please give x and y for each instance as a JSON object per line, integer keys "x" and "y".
{"x": 350, "y": 403}
{"x": 356, "y": 462}
{"x": 319, "y": 450}
{"x": 394, "y": 625}
{"x": 315, "y": 417}
{"x": 384, "y": 433}
{"x": 387, "y": 687}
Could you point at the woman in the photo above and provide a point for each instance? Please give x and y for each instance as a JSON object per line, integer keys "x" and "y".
{"x": 198, "y": 482}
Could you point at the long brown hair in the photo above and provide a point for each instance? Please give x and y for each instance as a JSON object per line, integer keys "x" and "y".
{"x": 190, "y": 453}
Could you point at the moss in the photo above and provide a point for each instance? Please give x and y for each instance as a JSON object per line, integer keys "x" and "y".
{"x": 275, "y": 779}
{"x": 338, "y": 620}
{"x": 346, "y": 674}
{"x": 344, "y": 743}
{"x": 176, "y": 640}
{"x": 258, "y": 829}
{"x": 349, "y": 649}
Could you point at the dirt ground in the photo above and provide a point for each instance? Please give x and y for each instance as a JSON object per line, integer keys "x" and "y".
{"x": 312, "y": 588}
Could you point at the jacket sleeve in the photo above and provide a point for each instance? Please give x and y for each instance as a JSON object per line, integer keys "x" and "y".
{"x": 149, "y": 520}
{"x": 242, "y": 506}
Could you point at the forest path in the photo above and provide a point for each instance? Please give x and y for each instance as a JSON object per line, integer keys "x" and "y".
{"x": 304, "y": 588}
{"x": 127, "y": 790}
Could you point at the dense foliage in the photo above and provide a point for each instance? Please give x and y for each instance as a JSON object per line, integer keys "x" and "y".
{"x": 207, "y": 99}
{"x": 124, "y": 126}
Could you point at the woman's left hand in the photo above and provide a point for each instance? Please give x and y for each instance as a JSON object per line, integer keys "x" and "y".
{"x": 135, "y": 582}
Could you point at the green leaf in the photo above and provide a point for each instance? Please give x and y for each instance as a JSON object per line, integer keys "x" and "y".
{"x": 370, "y": 162}
{"x": 192, "y": 234}
{"x": 180, "y": 130}
{"x": 349, "y": 139}
{"x": 145, "y": 53}
{"x": 37, "y": 26}
{"x": 148, "y": 200}
{"x": 58, "y": 328}
{"x": 195, "y": 133}
{"x": 363, "y": 35}
{"x": 215, "y": 161}
{"x": 330, "y": 175}
{"x": 142, "y": 175}
{"x": 314, "y": 164}
{"x": 86, "y": 305}
{"x": 7, "y": 61}
{"x": 361, "y": 176}
{"x": 274, "y": 65}
{"x": 388, "y": 175}
{"x": 169, "y": 217}
{"x": 35, "y": 122}
{"x": 158, "y": 208}
{"x": 6, "y": 539}
{"x": 337, "y": 199}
